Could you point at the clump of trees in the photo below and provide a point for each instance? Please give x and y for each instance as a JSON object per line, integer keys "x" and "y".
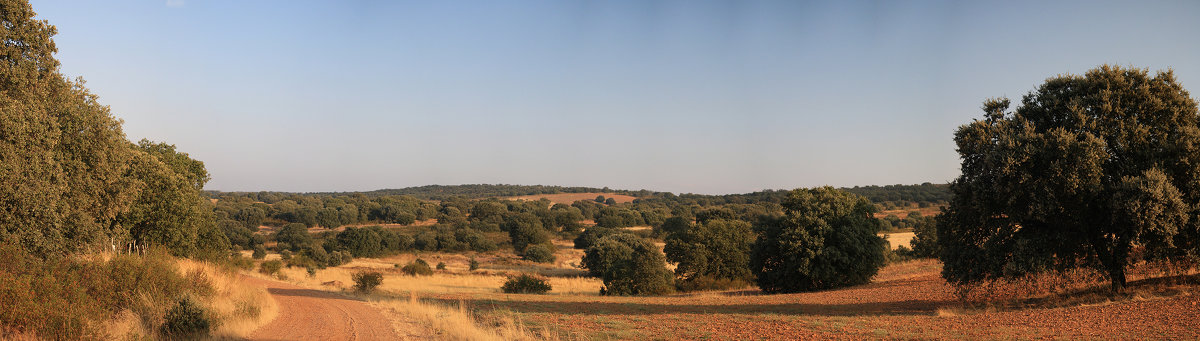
{"x": 71, "y": 180}
{"x": 1087, "y": 169}
{"x": 628, "y": 265}
{"x": 713, "y": 254}
{"x": 825, "y": 239}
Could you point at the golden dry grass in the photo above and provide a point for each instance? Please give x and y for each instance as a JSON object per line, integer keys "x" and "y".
{"x": 456, "y": 323}
{"x": 339, "y": 278}
{"x": 238, "y": 306}
{"x": 896, "y": 239}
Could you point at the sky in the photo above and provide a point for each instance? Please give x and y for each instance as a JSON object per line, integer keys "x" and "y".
{"x": 682, "y": 96}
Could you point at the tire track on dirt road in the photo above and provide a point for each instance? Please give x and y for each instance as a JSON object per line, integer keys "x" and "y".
{"x": 307, "y": 314}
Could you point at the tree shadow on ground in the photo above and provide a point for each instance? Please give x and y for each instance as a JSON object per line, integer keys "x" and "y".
{"x": 911, "y": 307}
{"x": 310, "y": 293}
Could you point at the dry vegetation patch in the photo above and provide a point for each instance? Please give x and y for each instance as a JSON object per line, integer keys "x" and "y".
{"x": 568, "y": 198}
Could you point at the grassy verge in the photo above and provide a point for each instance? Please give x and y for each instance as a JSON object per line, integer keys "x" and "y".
{"x": 120, "y": 296}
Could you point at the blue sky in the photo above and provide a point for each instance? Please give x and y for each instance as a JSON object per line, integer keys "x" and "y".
{"x": 686, "y": 96}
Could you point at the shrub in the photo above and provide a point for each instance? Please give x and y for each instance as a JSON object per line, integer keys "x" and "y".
{"x": 441, "y": 266}
{"x": 185, "y": 320}
{"x": 68, "y": 298}
{"x": 236, "y": 261}
{"x": 285, "y": 254}
{"x": 525, "y": 284}
{"x": 417, "y": 268}
{"x": 540, "y": 253}
{"x": 260, "y": 252}
{"x": 270, "y": 267}
{"x": 366, "y": 281}
{"x": 473, "y": 264}
{"x": 301, "y": 261}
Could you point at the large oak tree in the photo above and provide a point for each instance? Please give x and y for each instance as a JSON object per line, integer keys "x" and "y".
{"x": 1086, "y": 169}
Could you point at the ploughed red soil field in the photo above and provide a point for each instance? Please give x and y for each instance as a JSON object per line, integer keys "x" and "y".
{"x": 906, "y": 300}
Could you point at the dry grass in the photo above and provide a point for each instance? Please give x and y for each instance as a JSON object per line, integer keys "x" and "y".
{"x": 897, "y": 239}
{"x": 338, "y": 278}
{"x": 238, "y": 306}
{"x": 457, "y": 323}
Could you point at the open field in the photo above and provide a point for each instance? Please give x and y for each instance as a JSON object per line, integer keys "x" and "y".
{"x": 568, "y": 198}
{"x": 896, "y": 239}
{"x": 903, "y": 213}
{"x": 906, "y": 300}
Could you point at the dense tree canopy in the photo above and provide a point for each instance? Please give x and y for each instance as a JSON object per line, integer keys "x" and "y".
{"x": 69, "y": 178}
{"x": 63, "y": 156}
{"x": 715, "y": 249}
{"x": 1087, "y": 168}
{"x": 628, "y": 265}
{"x": 170, "y": 211}
{"x": 826, "y": 239}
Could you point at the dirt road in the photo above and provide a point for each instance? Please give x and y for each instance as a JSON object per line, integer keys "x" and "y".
{"x": 306, "y": 314}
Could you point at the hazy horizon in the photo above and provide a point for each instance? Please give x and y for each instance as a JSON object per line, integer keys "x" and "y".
{"x": 683, "y": 97}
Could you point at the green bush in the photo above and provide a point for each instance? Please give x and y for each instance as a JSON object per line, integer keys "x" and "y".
{"x": 270, "y": 267}
{"x": 417, "y": 268}
{"x": 441, "y": 266}
{"x": 366, "y": 281}
{"x": 540, "y": 253}
{"x": 185, "y": 320}
{"x": 260, "y": 252}
{"x": 473, "y": 264}
{"x": 525, "y": 284}
{"x": 236, "y": 261}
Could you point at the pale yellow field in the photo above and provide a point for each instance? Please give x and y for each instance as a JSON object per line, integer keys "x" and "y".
{"x": 899, "y": 238}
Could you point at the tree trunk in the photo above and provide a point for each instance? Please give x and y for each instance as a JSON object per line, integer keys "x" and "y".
{"x": 1116, "y": 277}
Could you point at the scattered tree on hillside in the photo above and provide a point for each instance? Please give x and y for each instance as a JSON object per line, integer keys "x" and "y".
{"x": 294, "y": 236}
{"x": 1087, "y": 169}
{"x": 592, "y": 235}
{"x": 540, "y": 253}
{"x": 924, "y": 242}
{"x": 716, "y": 251}
{"x": 826, "y": 239}
{"x": 525, "y": 229}
{"x": 628, "y": 265}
